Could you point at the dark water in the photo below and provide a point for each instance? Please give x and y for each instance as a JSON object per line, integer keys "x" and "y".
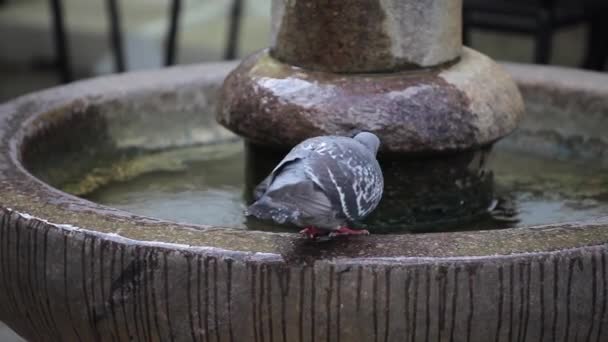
{"x": 206, "y": 186}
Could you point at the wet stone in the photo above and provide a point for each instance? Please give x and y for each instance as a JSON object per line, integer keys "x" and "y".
{"x": 71, "y": 269}
{"x": 461, "y": 106}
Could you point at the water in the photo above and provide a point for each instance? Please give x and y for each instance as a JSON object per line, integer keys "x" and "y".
{"x": 206, "y": 185}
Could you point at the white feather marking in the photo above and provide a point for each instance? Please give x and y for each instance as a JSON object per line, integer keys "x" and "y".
{"x": 340, "y": 193}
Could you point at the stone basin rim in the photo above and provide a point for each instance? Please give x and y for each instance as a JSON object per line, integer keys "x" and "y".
{"x": 50, "y": 204}
{"x": 277, "y": 258}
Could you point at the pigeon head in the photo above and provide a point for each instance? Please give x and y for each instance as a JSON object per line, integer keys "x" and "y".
{"x": 369, "y": 140}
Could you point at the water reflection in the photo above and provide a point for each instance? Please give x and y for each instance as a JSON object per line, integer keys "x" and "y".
{"x": 212, "y": 188}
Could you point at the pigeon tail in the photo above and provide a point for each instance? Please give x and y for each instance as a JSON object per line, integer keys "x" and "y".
{"x": 266, "y": 209}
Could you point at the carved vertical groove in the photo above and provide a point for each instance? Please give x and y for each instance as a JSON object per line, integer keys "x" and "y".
{"x": 132, "y": 292}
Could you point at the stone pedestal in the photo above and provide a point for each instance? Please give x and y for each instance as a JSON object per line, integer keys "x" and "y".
{"x": 353, "y": 36}
{"x": 464, "y": 105}
{"x": 394, "y": 68}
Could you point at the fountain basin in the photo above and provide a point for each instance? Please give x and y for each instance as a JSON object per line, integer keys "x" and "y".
{"x": 72, "y": 269}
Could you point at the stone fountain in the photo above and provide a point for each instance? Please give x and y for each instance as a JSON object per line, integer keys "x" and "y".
{"x": 71, "y": 269}
{"x": 396, "y": 68}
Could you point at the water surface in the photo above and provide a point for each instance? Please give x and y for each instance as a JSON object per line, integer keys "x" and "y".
{"x": 207, "y": 186}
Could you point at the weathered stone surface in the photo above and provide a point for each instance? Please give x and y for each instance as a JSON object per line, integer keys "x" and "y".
{"x": 354, "y": 36}
{"x": 557, "y": 126}
{"x": 395, "y": 68}
{"x": 74, "y": 270}
{"x": 468, "y": 104}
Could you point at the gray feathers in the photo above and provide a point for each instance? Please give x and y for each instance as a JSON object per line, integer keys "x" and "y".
{"x": 322, "y": 182}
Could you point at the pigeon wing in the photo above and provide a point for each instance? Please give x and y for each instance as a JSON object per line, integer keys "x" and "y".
{"x": 293, "y": 197}
{"x": 306, "y": 198}
{"x": 299, "y": 152}
{"x": 349, "y": 175}
{"x": 343, "y": 169}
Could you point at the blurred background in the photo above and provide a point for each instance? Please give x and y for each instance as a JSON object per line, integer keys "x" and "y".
{"x": 49, "y": 42}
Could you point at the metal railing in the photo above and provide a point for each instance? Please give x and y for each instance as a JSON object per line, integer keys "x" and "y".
{"x": 541, "y": 19}
{"x": 543, "y": 24}
{"x": 62, "y": 46}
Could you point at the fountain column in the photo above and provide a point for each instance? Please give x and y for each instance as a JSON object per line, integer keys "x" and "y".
{"x": 393, "y": 67}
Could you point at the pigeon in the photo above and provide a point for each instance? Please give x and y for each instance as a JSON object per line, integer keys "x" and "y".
{"x": 323, "y": 183}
